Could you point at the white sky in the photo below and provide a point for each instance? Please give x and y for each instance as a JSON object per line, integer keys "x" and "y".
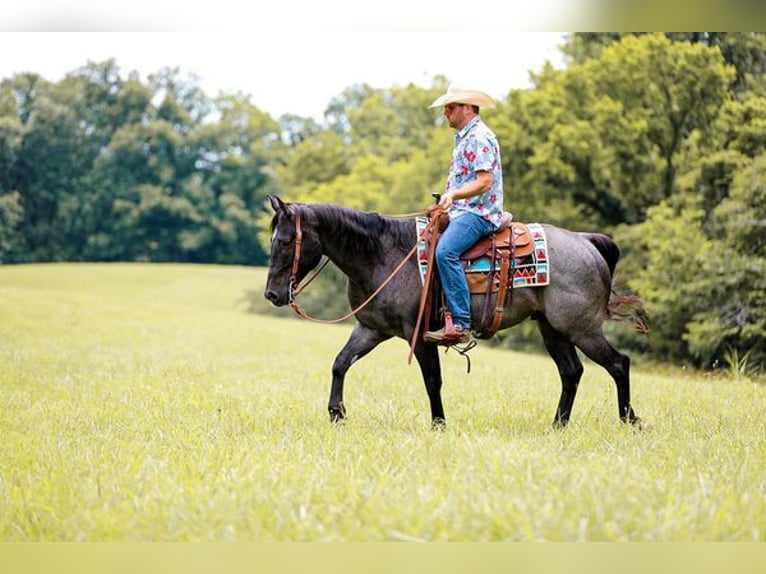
{"x": 286, "y": 64}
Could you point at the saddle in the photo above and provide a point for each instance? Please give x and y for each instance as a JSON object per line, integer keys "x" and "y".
{"x": 511, "y": 235}
{"x": 499, "y": 250}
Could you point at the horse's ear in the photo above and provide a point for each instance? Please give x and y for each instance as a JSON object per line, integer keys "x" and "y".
{"x": 276, "y": 203}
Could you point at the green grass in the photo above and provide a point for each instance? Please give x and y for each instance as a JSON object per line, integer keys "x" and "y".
{"x": 141, "y": 402}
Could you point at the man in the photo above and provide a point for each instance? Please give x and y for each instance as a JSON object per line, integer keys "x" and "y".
{"x": 473, "y": 199}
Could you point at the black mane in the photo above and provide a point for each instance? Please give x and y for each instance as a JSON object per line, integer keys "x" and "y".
{"x": 362, "y": 232}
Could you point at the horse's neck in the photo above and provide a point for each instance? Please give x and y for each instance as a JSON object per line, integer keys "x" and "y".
{"x": 358, "y": 254}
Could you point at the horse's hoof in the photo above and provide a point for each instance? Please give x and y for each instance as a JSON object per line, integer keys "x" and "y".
{"x": 337, "y": 418}
{"x": 641, "y": 425}
{"x": 559, "y": 423}
{"x": 438, "y": 425}
{"x": 337, "y": 414}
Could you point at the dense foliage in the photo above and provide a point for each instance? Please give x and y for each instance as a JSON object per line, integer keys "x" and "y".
{"x": 657, "y": 139}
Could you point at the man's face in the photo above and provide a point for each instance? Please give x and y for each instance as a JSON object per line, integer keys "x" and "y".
{"x": 456, "y": 115}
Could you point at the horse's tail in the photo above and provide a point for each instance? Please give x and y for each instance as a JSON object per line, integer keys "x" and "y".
{"x": 621, "y": 306}
{"x": 607, "y": 248}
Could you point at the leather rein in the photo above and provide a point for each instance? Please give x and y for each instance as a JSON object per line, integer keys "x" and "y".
{"x": 294, "y": 291}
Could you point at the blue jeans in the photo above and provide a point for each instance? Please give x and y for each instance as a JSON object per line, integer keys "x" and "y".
{"x": 461, "y": 233}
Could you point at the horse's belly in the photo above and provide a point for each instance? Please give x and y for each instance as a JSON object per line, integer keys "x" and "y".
{"x": 523, "y": 303}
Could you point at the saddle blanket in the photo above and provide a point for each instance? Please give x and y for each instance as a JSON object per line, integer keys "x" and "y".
{"x": 528, "y": 271}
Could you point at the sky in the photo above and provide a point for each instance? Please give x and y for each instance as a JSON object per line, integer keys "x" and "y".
{"x": 295, "y": 69}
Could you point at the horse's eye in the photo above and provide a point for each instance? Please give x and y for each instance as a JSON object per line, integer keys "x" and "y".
{"x": 281, "y": 239}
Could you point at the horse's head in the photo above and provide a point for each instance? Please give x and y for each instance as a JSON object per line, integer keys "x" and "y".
{"x": 295, "y": 250}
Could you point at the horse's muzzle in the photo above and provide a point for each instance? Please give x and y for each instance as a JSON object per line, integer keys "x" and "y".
{"x": 273, "y": 296}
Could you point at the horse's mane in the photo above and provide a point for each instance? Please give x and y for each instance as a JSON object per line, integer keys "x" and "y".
{"x": 361, "y": 231}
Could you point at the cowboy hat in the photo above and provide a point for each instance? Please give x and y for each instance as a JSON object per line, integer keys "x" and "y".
{"x": 457, "y": 95}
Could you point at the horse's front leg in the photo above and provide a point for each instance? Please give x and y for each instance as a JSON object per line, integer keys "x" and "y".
{"x": 427, "y": 355}
{"x": 362, "y": 341}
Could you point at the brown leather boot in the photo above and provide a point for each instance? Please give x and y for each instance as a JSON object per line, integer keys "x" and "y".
{"x": 462, "y": 336}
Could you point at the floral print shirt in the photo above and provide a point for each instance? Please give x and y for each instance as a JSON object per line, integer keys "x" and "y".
{"x": 476, "y": 149}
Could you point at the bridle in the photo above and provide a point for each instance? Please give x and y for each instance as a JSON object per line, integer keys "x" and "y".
{"x": 296, "y": 257}
{"x": 293, "y": 287}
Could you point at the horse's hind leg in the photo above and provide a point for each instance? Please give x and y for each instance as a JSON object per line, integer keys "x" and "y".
{"x": 569, "y": 365}
{"x": 598, "y": 349}
{"x": 361, "y": 342}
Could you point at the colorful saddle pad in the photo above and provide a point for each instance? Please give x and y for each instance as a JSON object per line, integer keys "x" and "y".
{"x": 528, "y": 271}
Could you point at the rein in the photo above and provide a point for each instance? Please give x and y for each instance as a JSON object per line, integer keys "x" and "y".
{"x": 296, "y": 259}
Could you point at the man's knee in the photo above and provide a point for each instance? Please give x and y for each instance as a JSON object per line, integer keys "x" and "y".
{"x": 445, "y": 253}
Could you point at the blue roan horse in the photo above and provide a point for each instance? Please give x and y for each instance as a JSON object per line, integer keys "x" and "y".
{"x": 368, "y": 247}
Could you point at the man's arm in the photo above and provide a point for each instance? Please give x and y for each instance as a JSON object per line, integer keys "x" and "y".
{"x": 481, "y": 184}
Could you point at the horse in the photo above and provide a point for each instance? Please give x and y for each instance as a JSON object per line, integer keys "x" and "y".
{"x": 370, "y": 249}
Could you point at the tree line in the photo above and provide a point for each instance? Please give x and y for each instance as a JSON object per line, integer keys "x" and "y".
{"x": 656, "y": 139}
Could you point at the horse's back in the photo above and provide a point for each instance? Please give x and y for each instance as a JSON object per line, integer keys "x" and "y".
{"x": 580, "y": 258}
{"x": 581, "y": 267}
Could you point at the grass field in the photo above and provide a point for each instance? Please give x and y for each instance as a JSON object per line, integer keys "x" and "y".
{"x": 141, "y": 402}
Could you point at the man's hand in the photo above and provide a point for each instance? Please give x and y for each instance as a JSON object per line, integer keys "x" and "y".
{"x": 446, "y": 201}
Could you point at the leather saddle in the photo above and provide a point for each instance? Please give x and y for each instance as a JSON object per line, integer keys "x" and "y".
{"x": 510, "y": 234}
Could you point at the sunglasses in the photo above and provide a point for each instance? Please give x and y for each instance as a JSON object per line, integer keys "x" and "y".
{"x": 449, "y": 107}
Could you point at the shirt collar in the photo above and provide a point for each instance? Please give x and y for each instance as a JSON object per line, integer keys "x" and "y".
{"x": 466, "y": 128}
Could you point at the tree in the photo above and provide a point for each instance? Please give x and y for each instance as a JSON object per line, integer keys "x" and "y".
{"x": 733, "y": 316}
{"x": 314, "y": 161}
{"x": 237, "y": 159}
{"x": 745, "y": 51}
{"x": 671, "y": 255}
{"x": 674, "y": 89}
{"x": 11, "y": 211}
{"x": 46, "y": 166}
{"x": 11, "y": 214}
{"x": 60, "y": 129}
{"x": 598, "y": 143}
{"x": 297, "y": 129}
{"x": 699, "y": 261}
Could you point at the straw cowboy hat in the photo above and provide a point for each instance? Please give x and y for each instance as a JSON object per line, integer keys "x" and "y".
{"x": 457, "y": 95}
